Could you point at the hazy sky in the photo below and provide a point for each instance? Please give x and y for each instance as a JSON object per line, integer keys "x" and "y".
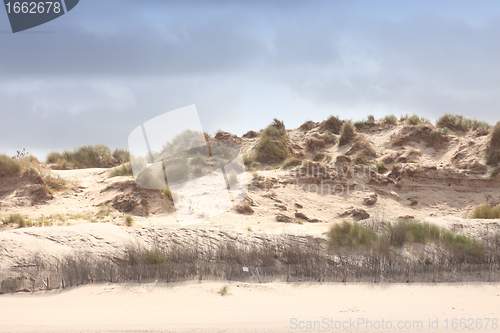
{"x": 96, "y": 73}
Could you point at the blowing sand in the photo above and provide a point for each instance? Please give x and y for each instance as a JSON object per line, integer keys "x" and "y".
{"x": 195, "y": 307}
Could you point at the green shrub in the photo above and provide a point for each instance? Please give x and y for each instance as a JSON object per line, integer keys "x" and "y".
{"x": 347, "y": 133}
{"x": 380, "y": 166}
{"x": 167, "y": 193}
{"x": 391, "y": 119}
{"x": 495, "y": 171}
{"x": 493, "y": 147}
{"x": 332, "y": 124}
{"x": 124, "y": 170}
{"x": 350, "y": 234}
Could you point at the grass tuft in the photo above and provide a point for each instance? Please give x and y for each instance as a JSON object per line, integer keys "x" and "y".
{"x": 122, "y": 171}
{"x": 84, "y": 157}
{"x": 347, "y": 133}
{"x": 493, "y": 148}
{"x": 332, "y": 124}
{"x": 391, "y": 120}
{"x": 485, "y": 211}
{"x": 350, "y": 234}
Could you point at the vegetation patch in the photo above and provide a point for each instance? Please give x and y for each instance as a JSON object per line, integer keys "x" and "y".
{"x": 486, "y": 211}
{"x": 272, "y": 143}
{"x": 493, "y": 148}
{"x": 391, "y": 120}
{"x": 123, "y": 171}
{"x": 332, "y": 124}
{"x": 457, "y": 122}
{"x": 347, "y": 133}
{"x": 84, "y": 157}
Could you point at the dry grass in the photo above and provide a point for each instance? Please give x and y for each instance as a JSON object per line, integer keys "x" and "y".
{"x": 272, "y": 143}
{"x": 347, "y": 133}
{"x": 391, "y": 120}
{"x": 414, "y": 120}
{"x": 457, "y": 122}
{"x": 332, "y": 124}
{"x": 313, "y": 144}
{"x": 84, "y": 157}
{"x": 290, "y": 162}
{"x": 122, "y": 171}
{"x": 486, "y": 211}
{"x": 10, "y": 166}
{"x": 493, "y": 148}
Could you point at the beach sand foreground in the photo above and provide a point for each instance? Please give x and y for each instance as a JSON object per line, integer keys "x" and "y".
{"x": 275, "y": 307}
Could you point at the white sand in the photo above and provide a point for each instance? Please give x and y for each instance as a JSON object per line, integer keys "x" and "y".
{"x": 194, "y": 307}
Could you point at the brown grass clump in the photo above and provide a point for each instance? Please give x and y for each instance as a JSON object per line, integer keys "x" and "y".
{"x": 493, "y": 148}
{"x": 414, "y": 120}
{"x": 435, "y": 138}
{"x": 347, "y": 134}
{"x": 486, "y": 211}
{"x": 244, "y": 208}
{"x": 272, "y": 145}
{"x": 84, "y": 157}
{"x": 307, "y": 126}
{"x": 332, "y": 124}
{"x": 313, "y": 144}
{"x": 391, "y": 120}
{"x": 9, "y": 166}
{"x": 361, "y": 144}
{"x": 290, "y": 162}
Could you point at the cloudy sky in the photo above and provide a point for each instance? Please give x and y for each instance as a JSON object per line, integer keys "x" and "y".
{"x": 98, "y": 72}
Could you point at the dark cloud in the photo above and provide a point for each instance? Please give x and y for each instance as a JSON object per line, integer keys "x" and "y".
{"x": 111, "y": 65}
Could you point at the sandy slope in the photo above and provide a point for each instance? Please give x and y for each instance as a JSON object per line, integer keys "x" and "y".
{"x": 194, "y": 307}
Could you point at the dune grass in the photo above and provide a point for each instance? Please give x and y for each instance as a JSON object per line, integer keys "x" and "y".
{"x": 350, "y": 234}
{"x": 18, "y": 220}
{"x": 405, "y": 232}
{"x": 486, "y": 211}
{"x": 10, "y": 166}
{"x": 332, "y": 124}
{"x": 84, "y": 157}
{"x": 272, "y": 143}
{"x": 493, "y": 147}
{"x": 457, "y": 122}
{"x": 390, "y": 119}
{"x": 124, "y": 170}
{"x": 347, "y": 133}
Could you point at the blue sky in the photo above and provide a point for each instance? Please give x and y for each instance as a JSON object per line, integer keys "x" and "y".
{"x": 96, "y": 73}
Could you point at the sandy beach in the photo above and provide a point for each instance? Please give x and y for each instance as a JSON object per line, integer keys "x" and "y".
{"x": 195, "y": 307}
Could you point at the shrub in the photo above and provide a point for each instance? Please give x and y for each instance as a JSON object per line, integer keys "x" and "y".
{"x": 347, "y": 133}
{"x": 391, "y": 119}
{"x": 371, "y": 119}
{"x": 350, "y": 234}
{"x": 380, "y": 166}
{"x": 493, "y": 148}
{"x": 495, "y": 171}
{"x": 124, "y": 170}
{"x": 332, "y": 124}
